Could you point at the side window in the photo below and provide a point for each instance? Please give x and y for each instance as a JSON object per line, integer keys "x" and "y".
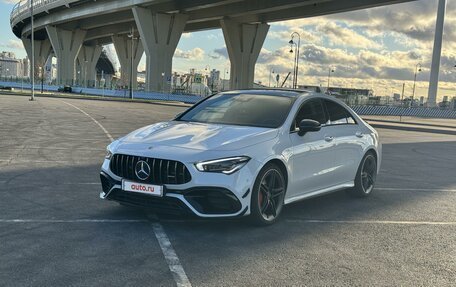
{"x": 338, "y": 115}
{"x": 311, "y": 110}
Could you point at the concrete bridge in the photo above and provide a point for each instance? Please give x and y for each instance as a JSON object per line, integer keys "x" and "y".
{"x": 75, "y": 31}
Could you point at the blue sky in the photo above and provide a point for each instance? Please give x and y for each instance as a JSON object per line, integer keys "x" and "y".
{"x": 374, "y": 48}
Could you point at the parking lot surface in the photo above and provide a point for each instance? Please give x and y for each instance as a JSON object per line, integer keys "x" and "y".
{"x": 55, "y": 231}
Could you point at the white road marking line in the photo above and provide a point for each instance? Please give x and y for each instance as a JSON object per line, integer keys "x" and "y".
{"x": 415, "y": 189}
{"x": 54, "y": 148}
{"x": 387, "y": 222}
{"x": 377, "y": 188}
{"x": 94, "y": 120}
{"x": 72, "y": 220}
{"x": 41, "y": 161}
{"x": 171, "y": 258}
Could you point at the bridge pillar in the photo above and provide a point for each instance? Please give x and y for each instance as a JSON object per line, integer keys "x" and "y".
{"x": 123, "y": 44}
{"x": 436, "y": 54}
{"x": 66, "y": 45}
{"x": 88, "y": 58}
{"x": 160, "y": 34}
{"x": 42, "y": 52}
{"x": 244, "y": 43}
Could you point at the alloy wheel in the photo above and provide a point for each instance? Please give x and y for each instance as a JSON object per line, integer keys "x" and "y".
{"x": 368, "y": 173}
{"x": 270, "y": 194}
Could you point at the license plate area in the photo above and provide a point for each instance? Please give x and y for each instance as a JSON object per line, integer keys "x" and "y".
{"x": 130, "y": 186}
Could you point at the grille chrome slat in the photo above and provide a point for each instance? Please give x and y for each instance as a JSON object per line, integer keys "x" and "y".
{"x": 175, "y": 172}
{"x": 162, "y": 171}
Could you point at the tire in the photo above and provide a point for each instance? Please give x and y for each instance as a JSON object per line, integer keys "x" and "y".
{"x": 268, "y": 193}
{"x": 366, "y": 176}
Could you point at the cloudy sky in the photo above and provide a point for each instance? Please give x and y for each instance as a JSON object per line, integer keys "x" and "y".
{"x": 376, "y": 48}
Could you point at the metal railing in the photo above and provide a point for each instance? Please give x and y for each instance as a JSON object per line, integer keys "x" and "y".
{"x": 22, "y": 8}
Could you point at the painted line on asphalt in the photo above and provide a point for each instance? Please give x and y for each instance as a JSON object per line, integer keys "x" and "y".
{"x": 170, "y": 255}
{"x": 73, "y": 220}
{"x": 94, "y": 120}
{"x": 53, "y": 148}
{"x": 377, "y": 188}
{"x": 415, "y": 189}
{"x": 179, "y": 275}
{"x": 381, "y": 222}
{"x": 40, "y": 161}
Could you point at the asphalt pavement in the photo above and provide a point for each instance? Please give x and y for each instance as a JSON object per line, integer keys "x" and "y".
{"x": 55, "y": 231}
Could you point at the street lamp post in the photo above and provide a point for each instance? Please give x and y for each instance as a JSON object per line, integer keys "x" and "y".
{"x": 42, "y": 78}
{"x": 417, "y": 70}
{"x": 85, "y": 74}
{"x": 225, "y": 72}
{"x": 271, "y": 71}
{"x": 331, "y": 70}
{"x": 296, "y": 63}
{"x": 131, "y": 35}
{"x": 208, "y": 70}
{"x": 32, "y": 57}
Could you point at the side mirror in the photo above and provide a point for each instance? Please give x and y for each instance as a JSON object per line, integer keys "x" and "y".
{"x": 306, "y": 126}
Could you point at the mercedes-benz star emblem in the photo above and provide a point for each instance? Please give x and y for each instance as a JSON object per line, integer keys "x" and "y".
{"x": 142, "y": 170}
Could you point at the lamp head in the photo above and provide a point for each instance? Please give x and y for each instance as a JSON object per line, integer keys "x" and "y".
{"x": 291, "y": 42}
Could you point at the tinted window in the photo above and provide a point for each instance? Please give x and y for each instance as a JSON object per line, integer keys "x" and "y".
{"x": 241, "y": 109}
{"x": 311, "y": 110}
{"x": 338, "y": 115}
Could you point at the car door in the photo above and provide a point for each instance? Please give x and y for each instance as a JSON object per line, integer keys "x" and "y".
{"x": 313, "y": 156}
{"x": 347, "y": 146}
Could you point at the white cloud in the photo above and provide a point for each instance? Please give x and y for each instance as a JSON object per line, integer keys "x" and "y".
{"x": 14, "y": 44}
{"x": 194, "y": 54}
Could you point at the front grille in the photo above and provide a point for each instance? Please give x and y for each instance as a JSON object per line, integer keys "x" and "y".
{"x": 162, "y": 171}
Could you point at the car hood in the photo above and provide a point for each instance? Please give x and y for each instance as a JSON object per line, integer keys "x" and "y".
{"x": 199, "y": 136}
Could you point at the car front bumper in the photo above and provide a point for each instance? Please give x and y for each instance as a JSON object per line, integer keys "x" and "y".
{"x": 207, "y": 195}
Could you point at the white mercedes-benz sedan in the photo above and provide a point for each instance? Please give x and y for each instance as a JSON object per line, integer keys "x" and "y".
{"x": 244, "y": 153}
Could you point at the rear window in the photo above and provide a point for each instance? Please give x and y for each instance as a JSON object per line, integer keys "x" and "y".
{"x": 338, "y": 115}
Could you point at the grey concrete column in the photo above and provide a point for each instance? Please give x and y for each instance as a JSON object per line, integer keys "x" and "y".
{"x": 122, "y": 44}
{"x": 66, "y": 45}
{"x": 160, "y": 34}
{"x": 244, "y": 43}
{"x": 42, "y": 51}
{"x": 88, "y": 58}
{"x": 436, "y": 54}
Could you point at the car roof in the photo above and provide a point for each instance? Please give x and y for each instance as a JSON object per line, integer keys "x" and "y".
{"x": 270, "y": 92}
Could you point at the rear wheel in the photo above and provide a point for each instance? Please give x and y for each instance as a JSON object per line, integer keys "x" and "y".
{"x": 268, "y": 194}
{"x": 365, "y": 177}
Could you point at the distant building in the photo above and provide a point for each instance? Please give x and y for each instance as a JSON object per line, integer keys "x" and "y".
{"x": 214, "y": 80}
{"x": 10, "y": 66}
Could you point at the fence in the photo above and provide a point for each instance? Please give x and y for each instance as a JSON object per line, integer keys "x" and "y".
{"x": 191, "y": 99}
{"x": 400, "y": 111}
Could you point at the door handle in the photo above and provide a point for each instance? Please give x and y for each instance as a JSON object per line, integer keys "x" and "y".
{"x": 329, "y": 138}
{"x": 359, "y": 134}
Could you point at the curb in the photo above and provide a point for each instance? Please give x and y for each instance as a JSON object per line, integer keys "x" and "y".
{"x": 413, "y": 129}
{"x": 406, "y": 123}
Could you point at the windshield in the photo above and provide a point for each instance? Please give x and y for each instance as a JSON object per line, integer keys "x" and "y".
{"x": 241, "y": 109}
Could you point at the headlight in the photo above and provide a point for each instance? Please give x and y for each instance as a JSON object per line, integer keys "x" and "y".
{"x": 224, "y": 165}
{"x": 108, "y": 153}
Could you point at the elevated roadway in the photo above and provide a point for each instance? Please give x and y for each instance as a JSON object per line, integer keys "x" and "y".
{"x": 68, "y": 27}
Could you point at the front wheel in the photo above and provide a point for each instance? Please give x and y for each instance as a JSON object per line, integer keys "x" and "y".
{"x": 365, "y": 176}
{"x": 267, "y": 196}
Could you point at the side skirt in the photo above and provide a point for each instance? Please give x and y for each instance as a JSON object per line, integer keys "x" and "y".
{"x": 320, "y": 192}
